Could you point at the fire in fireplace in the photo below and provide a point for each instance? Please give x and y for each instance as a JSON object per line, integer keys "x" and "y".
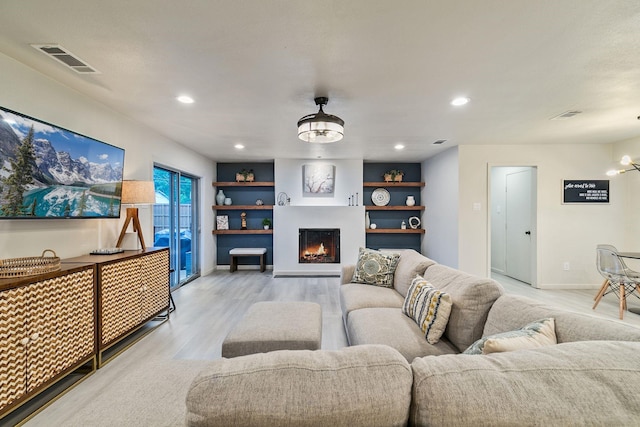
{"x": 319, "y": 245}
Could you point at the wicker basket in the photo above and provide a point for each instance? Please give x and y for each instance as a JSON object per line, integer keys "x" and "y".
{"x": 29, "y": 266}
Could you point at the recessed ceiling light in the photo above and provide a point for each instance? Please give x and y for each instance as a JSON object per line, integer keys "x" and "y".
{"x": 398, "y": 147}
{"x": 460, "y": 101}
{"x": 239, "y": 147}
{"x": 185, "y": 99}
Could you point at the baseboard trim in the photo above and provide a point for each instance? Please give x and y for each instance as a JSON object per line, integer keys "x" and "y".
{"x": 568, "y": 286}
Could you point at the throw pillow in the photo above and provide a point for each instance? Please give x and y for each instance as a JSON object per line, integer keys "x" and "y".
{"x": 536, "y": 334}
{"x": 428, "y": 307}
{"x": 375, "y": 268}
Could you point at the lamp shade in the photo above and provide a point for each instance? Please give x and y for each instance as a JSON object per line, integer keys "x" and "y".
{"x": 321, "y": 128}
{"x": 138, "y": 193}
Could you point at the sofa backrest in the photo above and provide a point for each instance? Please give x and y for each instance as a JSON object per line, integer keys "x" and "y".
{"x": 472, "y": 297}
{"x": 364, "y": 385}
{"x": 411, "y": 263}
{"x": 579, "y": 383}
{"x": 512, "y": 312}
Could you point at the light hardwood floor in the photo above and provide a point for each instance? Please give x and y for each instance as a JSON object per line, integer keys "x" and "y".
{"x": 210, "y": 306}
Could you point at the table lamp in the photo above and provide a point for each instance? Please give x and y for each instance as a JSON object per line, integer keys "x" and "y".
{"x": 136, "y": 193}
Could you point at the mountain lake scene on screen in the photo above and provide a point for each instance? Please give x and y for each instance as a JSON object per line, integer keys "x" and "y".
{"x": 50, "y": 172}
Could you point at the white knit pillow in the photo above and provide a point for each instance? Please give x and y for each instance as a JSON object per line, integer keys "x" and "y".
{"x": 428, "y": 307}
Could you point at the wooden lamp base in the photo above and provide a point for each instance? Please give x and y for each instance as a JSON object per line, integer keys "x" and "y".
{"x": 132, "y": 215}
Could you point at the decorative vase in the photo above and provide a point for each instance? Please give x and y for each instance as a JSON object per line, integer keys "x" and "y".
{"x": 220, "y": 197}
{"x": 227, "y": 201}
{"x": 403, "y": 226}
{"x": 367, "y": 220}
{"x": 410, "y": 201}
{"x": 266, "y": 227}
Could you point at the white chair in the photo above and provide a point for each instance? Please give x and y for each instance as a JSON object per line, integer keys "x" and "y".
{"x": 619, "y": 278}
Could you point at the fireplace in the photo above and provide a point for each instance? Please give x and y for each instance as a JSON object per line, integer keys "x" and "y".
{"x": 319, "y": 245}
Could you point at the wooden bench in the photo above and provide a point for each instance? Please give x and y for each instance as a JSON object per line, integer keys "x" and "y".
{"x": 235, "y": 253}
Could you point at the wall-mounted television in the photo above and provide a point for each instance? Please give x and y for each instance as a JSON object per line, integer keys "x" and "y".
{"x": 50, "y": 172}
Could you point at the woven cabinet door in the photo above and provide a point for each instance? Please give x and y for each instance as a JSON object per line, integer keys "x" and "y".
{"x": 60, "y": 325}
{"x": 155, "y": 283}
{"x": 13, "y": 357}
{"x": 120, "y": 294}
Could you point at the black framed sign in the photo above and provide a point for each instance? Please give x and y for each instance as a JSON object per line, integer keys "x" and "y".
{"x": 585, "y": 191}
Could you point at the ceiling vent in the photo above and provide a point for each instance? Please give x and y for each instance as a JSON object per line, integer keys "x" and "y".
{"x": 566, "y": 115}
{"x": 440, "y": 141}
{"x": 67, "y": 58}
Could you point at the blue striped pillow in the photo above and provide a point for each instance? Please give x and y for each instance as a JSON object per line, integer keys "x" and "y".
{"x": 428, "y": 307}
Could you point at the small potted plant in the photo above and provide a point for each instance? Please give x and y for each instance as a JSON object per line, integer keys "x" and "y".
{"x": 245, "y": 176}
{"x": 266, "y": 223}
{"x": 394, "y": 175}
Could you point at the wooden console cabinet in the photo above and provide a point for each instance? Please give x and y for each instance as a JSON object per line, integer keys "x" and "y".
{"x": 47, "y": 331}
{"x": 133, "y": 288}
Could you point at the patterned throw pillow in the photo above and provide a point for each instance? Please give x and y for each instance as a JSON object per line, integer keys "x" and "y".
{"x": 375, "y": 268}
{"x": 536, "y": 334}
{"x": 428, "y": 307}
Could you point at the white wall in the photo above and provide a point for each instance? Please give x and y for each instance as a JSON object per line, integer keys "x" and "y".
{"x": 348, "y": 181}
{"x": 31, "y": 93}
{"x": 565, "y": 232}
{"x": 440, "y": 196}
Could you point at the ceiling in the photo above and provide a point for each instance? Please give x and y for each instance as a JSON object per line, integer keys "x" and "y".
{"x": 389, "y": 67}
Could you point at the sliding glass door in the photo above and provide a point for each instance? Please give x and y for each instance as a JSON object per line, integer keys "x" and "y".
{"x": 176, "y": 223}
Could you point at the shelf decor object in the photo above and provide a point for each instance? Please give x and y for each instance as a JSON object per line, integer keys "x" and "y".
{"x": 394, "y": 175}
{"x": 220, "y": 197}
{"x": 136, "y": 193}
{"x": 222, "y": 222}
{"x": 245, "y": 176}
{"x": 380, "y": 197}
{"x": 320, "y": 128}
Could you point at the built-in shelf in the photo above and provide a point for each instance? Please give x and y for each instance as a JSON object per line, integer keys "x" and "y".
{"x": 242, "y": 207}
{"x": 392, "y": 184}
{"x": 263, "y": 231}
{"x": 394, "y": 208}
{"x": 395, "y": 231}
{"x": 245, "y": 184}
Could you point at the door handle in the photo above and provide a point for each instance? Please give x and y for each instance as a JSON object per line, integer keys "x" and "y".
{"x": 528, "y": 233}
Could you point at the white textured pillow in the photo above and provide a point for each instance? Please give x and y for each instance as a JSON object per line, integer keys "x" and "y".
{"x": 428, "y": 307}
{"x": 536, "y": 334}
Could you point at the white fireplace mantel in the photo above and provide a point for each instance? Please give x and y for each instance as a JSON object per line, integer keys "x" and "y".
{"x": 287, "y": 220}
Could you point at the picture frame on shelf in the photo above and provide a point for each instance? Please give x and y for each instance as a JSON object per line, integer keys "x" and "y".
{"x": 222, "y": 222}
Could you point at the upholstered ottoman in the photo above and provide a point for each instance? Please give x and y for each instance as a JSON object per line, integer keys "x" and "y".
{"x": 273, "y": 325}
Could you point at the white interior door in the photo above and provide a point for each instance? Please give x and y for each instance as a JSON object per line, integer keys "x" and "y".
{"x": 519, "y": 229}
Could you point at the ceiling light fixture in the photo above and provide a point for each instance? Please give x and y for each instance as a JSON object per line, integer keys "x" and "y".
{"x": 185, "y": 99}
{"x": 321, "y": 128}
{"x": 460, "y": 101}
{"x": 625, "y": 161}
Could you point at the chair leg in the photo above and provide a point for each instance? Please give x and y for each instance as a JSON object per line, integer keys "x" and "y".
{"x": 601, "y": 292}
{"x": 623, "y": 300}
{"x": 602, "y": 288}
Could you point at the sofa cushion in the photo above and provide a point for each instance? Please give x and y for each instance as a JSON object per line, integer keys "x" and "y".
{"x": 411, "y": 264}
{"x": 428, "y": 307}
{"x": 365, "y": 385}
{"x": 391, "y": 327}
{"x": 536, "y": 334}
{"x": 355, "y": 296}
{"x": 581, "y": 383}
{"x": 511, "y": 312}
{"x": 472, "y": 298}
{"x": 375, "y": 267}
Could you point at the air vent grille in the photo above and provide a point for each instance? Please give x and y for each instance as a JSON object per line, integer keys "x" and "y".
{"x": 440, "y": 141}
{"x": 566, "y": 115}
{"x": 67, "y": 58}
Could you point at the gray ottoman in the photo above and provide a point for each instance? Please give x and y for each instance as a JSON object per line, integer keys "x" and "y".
{"x": 270, "y": 326}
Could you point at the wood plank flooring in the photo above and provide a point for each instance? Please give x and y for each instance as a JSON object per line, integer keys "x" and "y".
{"x": 210, "y": 306}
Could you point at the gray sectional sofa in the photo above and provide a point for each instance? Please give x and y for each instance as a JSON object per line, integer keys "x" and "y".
{"x": 391, "y": 376}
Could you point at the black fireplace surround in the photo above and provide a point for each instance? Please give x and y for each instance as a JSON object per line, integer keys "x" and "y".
{"x": 319, "y": 245}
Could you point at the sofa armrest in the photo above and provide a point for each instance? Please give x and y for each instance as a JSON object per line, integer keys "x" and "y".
{"x": 347, "y": 273}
